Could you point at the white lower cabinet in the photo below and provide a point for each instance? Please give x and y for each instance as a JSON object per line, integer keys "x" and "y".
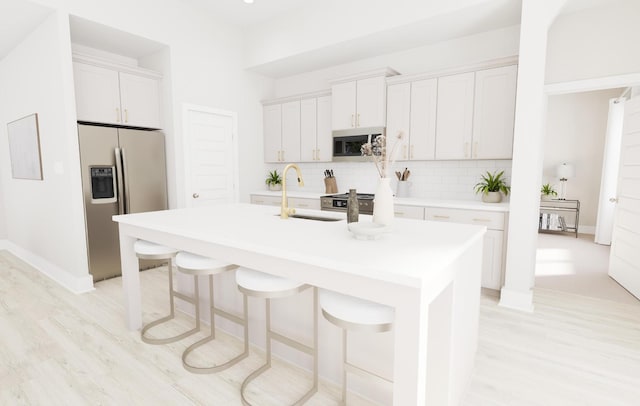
{"x": 493, "y": 256}
{"x": 294, "y": 202}
{"x": 409, "y": 212}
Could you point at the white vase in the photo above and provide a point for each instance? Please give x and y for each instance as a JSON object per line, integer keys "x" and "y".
{"x": 383, "y": 203}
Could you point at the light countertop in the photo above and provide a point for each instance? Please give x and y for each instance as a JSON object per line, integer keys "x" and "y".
{"x": 423, "y": 202}
{"x": 411, "y": 254}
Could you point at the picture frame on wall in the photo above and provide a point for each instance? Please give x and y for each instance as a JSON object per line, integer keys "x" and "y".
{"x": 24, "y": 148}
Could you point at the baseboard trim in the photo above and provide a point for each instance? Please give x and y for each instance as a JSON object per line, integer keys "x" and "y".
{"x": 587, "y": 230}
{"x": 70, "y": 282}
{"x": 516, "y": 300}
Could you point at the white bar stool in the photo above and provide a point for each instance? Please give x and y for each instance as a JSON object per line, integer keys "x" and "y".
{"x": 262, "y": 285}
{"x": 196, "y": 265}
{"x": 354, "y": 314}
{"x": 148, "y": 250}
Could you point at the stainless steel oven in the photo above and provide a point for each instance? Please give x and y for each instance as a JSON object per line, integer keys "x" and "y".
{"x": 339, "y": 203}
{"x": 347, "y": 143}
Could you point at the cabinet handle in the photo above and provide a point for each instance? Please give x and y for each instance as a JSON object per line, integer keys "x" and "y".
{"x": 475, "y": 149}
{"x": 437, "y": 216}
{"x": 117, "y": 115}
{"x": 279, "y": 159}
{"x": 482, "y": 220}
{"x": 466, "y": 150}
{"x": 259, "y": 201}
{"x": 404, "y": 151}
{"x": 303, "y": 205}
{"x": 398, "y": 213}
{"x": 352, "y": 122}
{"x": 411, "y": 151}
{"x": 282, "y": 155}
{"x": 126, "y": 115}
{"x": 358, "y": 121}
{"x": 317, "y": 154}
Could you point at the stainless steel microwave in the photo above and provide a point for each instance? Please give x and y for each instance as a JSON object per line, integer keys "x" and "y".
{"x": 347, "y": 143}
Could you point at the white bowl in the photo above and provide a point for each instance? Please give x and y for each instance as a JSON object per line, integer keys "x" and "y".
{"x": 367, "y": 231}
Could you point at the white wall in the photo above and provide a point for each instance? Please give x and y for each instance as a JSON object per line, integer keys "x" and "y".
{"x": 45, "y": 218}
{"x": 576, "y": 128}
{"x": 451, "y": 180}
{"x": 594, "y": 43}
{"x": 447, "y": 54}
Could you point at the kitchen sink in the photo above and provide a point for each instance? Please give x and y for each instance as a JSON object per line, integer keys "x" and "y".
{"x": 309, "y": 217}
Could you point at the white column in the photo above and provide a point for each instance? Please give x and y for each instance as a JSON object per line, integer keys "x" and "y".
{"x": 531, "y": 106}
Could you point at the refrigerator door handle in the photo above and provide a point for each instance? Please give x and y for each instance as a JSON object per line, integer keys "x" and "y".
{"x": 119, "y": 177}
{"x": 125, "y": 182}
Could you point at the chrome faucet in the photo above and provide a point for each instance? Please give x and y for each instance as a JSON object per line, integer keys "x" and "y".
{"x": 285, "y": 211}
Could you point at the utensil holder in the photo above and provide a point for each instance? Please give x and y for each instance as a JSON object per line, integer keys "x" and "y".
{"x": 330, "y": 185}
{"x": 404, "y": 189}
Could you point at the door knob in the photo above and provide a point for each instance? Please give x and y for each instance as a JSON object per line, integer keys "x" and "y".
{"x": 195, "y": 195}
{"x": 613, "y": 199}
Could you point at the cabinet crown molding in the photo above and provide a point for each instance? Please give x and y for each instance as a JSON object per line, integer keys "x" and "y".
{"x": 365, "y": 75}
{"x": 105, "y": 63}
{"x": 296, "y": 97}
{"x": 490, "y": 64}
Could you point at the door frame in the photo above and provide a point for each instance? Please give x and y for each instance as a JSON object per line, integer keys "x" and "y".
{"x": 186, "y": 144}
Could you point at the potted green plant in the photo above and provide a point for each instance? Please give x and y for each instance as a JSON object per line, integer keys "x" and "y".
{"x": 547, "y": 192}
{"x": 492, "y": 186}
{"x": 274, "y": 181}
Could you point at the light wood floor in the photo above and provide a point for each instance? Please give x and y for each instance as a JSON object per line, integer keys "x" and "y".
{"x": 57, "y": 348}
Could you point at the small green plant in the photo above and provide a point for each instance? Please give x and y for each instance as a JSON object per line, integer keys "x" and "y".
{"x": 492, "y": 182}
{"x": 273, "y": 178}
{"x": 548, "y": 190}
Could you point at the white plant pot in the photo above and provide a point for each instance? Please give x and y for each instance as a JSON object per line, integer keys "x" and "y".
{"x": 545, "y": 198}
{"x": 275, "y": 188}
{"x": 492, "y": 197}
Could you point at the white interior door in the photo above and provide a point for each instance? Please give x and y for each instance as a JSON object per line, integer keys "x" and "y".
{"x": 610, "y": 172}
{"x": 210, "y": 156}
{"x": 624, "y": 262}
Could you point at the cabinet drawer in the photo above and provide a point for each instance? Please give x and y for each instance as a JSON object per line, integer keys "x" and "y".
{"x": 301, "y": 203}
{"x": 265, "y": 200}
{"x": 492, "y": 220}
{"x": 409, "y": 212}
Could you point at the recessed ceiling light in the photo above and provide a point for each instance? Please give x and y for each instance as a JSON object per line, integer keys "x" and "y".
{"x": 248, "y": 1}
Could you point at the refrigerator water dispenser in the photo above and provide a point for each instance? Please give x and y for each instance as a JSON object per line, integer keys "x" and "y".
{"x": 103, "y": 184}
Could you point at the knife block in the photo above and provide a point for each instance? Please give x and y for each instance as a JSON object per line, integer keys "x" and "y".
{"x": 330, "y": 185}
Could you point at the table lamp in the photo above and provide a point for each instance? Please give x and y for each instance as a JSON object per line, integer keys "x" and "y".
{"x": 564, "y": 172}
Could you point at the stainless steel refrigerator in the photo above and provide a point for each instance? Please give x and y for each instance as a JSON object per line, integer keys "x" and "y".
{"x": 123, "y": 171}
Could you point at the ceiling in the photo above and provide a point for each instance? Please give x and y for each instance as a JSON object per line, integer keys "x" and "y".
{"x": 19, "y": 17}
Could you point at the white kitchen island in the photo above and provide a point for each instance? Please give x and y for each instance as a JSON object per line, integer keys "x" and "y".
{"x": 428, "y": 271}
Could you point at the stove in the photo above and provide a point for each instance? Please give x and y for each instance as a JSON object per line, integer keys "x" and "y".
{"x": 339, "y": 202}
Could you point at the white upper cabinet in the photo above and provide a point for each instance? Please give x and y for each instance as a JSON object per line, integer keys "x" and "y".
{"x": 371, "y": 102}
{"x": 399, "y": 115}
{"x": 291, "y": 131}
{"x": 494, "y": 113}
{"x": 315, "y": 129}
{"x": 298, "y": 130}
{"x": 97, "y": 94}
{"x": 106, "y": 95}
{"x": 454, "y": 125}
{"x": 272, "y": 132}
{"x": 359, "y": 102}
{"x": 308, "y": 129}
{"x": 411, "y": 108}
{"x": 343, "y": 103}
{"x": 424, "y": 98}
{"x": 139, "y": 100}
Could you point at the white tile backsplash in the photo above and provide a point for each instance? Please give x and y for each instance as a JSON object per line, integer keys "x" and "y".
{"x": 430, "y": 179}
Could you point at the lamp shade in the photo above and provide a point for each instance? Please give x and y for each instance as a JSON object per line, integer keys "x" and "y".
{"x": 565, "y": 171}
